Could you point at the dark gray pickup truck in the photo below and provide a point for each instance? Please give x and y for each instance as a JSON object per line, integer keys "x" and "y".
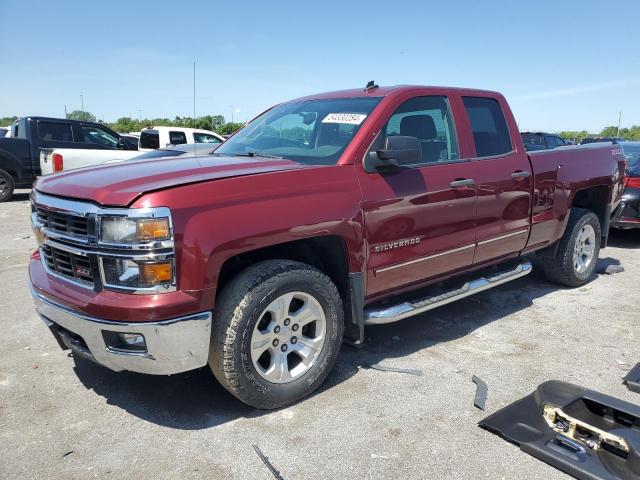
{"x": 20, "y": 153}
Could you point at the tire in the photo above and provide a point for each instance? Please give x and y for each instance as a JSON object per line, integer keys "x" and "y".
{"x": 562, "y": 267}
{"x": 244, "y": 315}
{"x": 7, "y": 186}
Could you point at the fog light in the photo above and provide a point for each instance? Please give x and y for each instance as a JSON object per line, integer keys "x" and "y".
{"x": 120, "y": 342}
{"x": 132, "y": 338}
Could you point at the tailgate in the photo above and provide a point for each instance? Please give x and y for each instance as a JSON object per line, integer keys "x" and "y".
{"x": 46, "y": 163}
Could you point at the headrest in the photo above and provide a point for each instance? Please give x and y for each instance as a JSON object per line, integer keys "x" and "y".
{"x": 419, "y": 126}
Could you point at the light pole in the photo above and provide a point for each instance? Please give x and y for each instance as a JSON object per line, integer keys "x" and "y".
{"x": 82, "y": 103}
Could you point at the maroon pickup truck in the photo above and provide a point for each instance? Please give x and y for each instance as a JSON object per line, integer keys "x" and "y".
{"x": 323, "y": 215}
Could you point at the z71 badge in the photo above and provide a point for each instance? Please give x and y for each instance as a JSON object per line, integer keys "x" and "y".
{"x": 383, "y": 247}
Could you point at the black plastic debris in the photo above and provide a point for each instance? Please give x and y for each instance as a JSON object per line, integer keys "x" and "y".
{"x": 266, "y": 461}
{"x": 632, "y": 379}
{"x": 410, "y": 371}
{"x": 480, "y": 398}
{"x": 610, "y": 269}
{"x": 584, "y": 433}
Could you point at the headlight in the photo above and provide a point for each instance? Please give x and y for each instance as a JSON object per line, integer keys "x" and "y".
{"x": 133, "y": 231}
{"x": 136, "y": 274}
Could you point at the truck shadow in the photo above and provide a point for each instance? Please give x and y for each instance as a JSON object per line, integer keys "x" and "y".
{"x": 195, "y": 400}
{"x": 23, "y": 196}
{"x": 625, "y": 238}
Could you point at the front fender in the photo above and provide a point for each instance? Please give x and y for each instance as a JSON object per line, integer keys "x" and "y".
{"x": 217, "y": 220}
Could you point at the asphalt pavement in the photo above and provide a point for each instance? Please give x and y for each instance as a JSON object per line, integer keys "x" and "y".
{"x": 62, "y": 417}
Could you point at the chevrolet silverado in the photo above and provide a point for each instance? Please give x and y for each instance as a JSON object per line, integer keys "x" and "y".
{"x": 321, "y": 216}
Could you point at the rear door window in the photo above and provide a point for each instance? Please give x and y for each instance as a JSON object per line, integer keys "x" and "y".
{"x": 199, "y": 137}
{"x": 177, "y": 138}
{"x": 55, "y": 132}
{"x": 488, "y": 126}
{"x": 99, "y": 136}
{"x": 149, "y": 139}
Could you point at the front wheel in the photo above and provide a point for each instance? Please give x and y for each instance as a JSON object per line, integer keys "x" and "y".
{"x": 277, "y": 333}
{"x": 577, "y": 253}
{"x": 6, "y": 186}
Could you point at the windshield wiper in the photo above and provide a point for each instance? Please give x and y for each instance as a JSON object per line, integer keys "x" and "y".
{"x": 254, "y": 154}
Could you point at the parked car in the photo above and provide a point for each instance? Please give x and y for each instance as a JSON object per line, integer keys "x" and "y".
{"x": 600, "y": 140}
{"x": 630, "y": 206}
{"x": 171, "y": 151}
{"x": 20, "y": 154}
{"x": 321, "y": 216}
{"x": 130, "y": 140}
{"x": 56, "y": 160}
{"x": 542, "y": 141}
{"x": 160, "y": 137}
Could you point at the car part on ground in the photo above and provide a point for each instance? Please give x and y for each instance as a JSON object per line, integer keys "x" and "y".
{"x": 632, "y": 379}
{"x": 267, "y": 462}
{"x": 410, "y": 371}
{"x": 480, "y": 398}
{"x": 582, "y": 432}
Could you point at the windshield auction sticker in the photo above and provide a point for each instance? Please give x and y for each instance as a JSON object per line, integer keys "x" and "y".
{"x": 350, "y": 118}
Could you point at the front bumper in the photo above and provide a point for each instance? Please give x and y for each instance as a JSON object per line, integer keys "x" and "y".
{"x": 172, "y": 346}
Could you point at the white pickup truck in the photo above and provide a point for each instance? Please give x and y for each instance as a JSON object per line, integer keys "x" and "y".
{"x": 160, "y": 137}
{"x": 54, "y": 160}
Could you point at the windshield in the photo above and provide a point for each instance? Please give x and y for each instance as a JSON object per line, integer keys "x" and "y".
{"x": 533, "y": 139}
{"x": 632, "y": 152}
{"x": 313, "y": 132}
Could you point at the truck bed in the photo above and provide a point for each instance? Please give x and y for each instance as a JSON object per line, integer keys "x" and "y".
{"x": 559, "y": 172}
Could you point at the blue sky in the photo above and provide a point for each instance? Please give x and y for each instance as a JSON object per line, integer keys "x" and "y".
{"x": 561, "y": 64}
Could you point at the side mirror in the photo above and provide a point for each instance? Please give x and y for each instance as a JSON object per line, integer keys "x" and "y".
{"x": 398, "y": 150}
{"x": 122, "y": 145}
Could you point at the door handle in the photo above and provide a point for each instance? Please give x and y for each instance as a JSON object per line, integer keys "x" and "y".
{"x": 462, "y": 182}
{"x": 520, "y": 175}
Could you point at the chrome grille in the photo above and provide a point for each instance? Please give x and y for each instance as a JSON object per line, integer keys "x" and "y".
{"x": 67, "y": 264}
{"x": 63, "y": 222}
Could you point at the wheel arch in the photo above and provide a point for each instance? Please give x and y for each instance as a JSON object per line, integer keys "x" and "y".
{"x": 595, "y": 199}
{"x": 10, "y": 163}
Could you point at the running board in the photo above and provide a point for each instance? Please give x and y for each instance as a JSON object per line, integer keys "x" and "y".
{"x": 377, "y": 316}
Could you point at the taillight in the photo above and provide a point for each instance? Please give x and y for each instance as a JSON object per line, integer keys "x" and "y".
{"x": 632, "y": 182}
{"x": 57, "y": 162}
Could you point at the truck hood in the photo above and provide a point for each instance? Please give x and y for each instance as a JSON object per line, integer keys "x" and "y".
{"x": 120, "y": 184}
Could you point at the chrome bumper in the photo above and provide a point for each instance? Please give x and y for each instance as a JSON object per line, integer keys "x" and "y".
{"x": 172, "y": 346}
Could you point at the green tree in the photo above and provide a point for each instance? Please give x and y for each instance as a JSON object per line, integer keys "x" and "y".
{"x": 229, "y": 128}
{"x": 574, "y": 135}
{"x": 80, "y": 115}
{"x": 6, "y": 121}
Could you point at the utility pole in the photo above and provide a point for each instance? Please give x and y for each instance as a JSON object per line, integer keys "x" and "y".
{"x": 65, "y": 111}
{"x": 232, "y": 110}
{"x": 194, "y": 92}
{"x": 140, "y": 115}
{"x": 619, "y": 118}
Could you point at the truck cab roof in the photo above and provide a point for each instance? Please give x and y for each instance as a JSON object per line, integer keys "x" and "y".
{"x": 389, "y": 90}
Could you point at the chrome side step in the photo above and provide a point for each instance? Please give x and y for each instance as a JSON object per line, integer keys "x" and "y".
{"x": 377, "y": 316}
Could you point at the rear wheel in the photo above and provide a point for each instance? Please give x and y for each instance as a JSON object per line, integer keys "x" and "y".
{"x": 6, "y": 186}
{"x": 277, "y": 332}
{"x": 577, "y": 253}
